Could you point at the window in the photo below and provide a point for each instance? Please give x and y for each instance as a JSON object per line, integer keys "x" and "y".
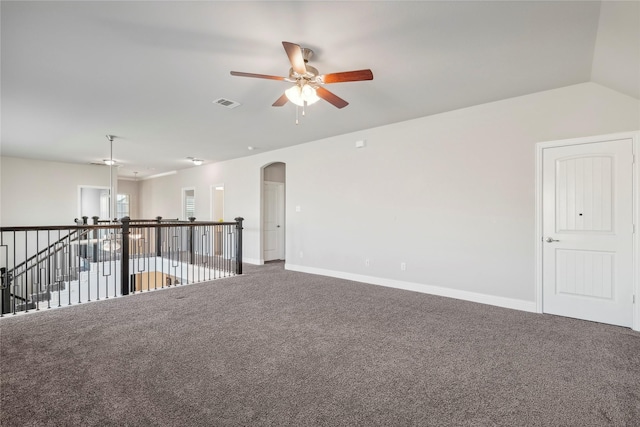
{"x": 122, "y": 206}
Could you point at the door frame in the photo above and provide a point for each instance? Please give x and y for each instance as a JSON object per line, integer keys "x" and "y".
{"x": 260, "y": 260}
{"x": 540, "y": 147}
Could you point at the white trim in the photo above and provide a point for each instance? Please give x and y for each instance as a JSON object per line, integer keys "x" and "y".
{"x": 514, "y": 304}
{"x": 252, "y": 261}
{"x": 538, "y": 229}
{"x": 635, "y": 137}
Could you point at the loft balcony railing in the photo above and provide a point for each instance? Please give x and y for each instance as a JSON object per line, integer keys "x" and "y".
{"x": 55, "y": 266}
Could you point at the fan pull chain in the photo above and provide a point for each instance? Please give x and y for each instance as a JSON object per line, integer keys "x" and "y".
{"x": 297, "y": 122}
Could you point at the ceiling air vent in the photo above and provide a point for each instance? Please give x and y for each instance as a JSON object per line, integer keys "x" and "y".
{"x": 226, "y": 103}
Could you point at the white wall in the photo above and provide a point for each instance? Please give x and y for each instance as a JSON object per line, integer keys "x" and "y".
{"x": 34, "y": 192}
{"x": 616, "y": 55}
{"x": 90, "y": 198}
{"x": 451, "y": 195}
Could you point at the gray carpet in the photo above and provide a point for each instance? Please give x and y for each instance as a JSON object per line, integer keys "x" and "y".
{"x": 279, "y": 348}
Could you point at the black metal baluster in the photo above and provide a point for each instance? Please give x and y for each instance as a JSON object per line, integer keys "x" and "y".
{"x": 13, "y": 301}
{"x": 155, "y": 262}
{"x": 146, "y": 251}
{"x": 181, "y": 257}
{"x": 79, "y": 263}
{"x": 103, "y": 257}
{"x": 113, "y": 258}
{"x": 48, "y": 269}
{"x": 37, "y": 271}
{"x": 239, "y": 244}
{"x": 124, "y": 261}
{"x": 4, "y": 272}
{"x": 223, "y": 259}
{"x": 205, "y": 252}
{"x": 88, "y": 261}
{"x": 227, "y": 252}
{"x": 57, "y": 275}
{"x": 68, "y": 270}
{"x": 25, "y": 276}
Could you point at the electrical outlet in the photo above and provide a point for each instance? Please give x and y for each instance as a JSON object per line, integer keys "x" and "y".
{"x": 403, "y": 266}
{"x": 367, "y": 263}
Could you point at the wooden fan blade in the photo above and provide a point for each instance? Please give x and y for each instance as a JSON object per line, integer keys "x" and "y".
{"x": 281, "y": 101}
{"x": 331, "y": 98}
{"x": 294, "y": 52}
{"x": 347, "y": 76}
{"x": 257, "y": 76}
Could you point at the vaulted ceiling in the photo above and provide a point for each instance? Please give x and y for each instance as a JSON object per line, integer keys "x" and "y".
{"x": 148, "y": 72}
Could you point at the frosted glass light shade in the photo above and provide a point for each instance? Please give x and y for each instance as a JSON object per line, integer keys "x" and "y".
{"x": 301, "y": 94}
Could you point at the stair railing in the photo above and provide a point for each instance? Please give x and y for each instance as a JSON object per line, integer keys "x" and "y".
{"x": 107, "y": 259}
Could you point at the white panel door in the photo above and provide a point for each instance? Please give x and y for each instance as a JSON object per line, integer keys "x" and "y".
{"x": 588, "y": 231}
{"x": 273, "y": 221}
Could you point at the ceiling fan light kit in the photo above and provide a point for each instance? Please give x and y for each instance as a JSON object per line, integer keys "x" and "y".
{"x": 302, "y": 95}
{"x": 308, "y": 81}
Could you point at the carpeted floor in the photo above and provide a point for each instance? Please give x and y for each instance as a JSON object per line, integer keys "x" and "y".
{"x": 279, "y": 348}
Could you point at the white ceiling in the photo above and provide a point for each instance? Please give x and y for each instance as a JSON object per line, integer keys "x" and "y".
{"x": 147, "y": 72}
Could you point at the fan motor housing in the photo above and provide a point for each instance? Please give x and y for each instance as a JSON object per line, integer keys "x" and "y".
{"x": 311, "y": 74}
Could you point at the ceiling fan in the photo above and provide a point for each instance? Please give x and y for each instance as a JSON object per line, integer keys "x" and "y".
{"x": 308, "y": 81}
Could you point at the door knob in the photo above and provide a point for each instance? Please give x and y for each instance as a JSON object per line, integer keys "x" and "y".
{"x": 551, "y": 240}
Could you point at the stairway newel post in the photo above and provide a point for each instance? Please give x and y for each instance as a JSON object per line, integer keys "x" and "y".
{"x": 124, "y": 260}
{"x": 239, "y": 244}
{"x": 95, "y": 239}
{"x": 158, "y": 237}
{"x": 191, "y": 245}
{"x": 5, "y": 286}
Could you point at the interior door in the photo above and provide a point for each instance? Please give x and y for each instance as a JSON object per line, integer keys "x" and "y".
{"x": 588, "y": 231}
{"x": 273, "y": 221}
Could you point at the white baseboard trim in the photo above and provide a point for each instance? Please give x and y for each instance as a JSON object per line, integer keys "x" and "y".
{"x": 514, "y": 304}
{"x": 252, "y": 261}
